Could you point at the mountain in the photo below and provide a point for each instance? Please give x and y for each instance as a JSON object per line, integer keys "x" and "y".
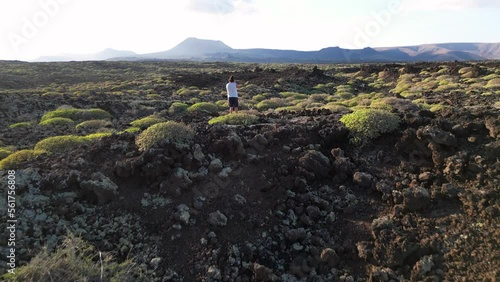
{"x": 192, "y": 48}
{"x": 215, "y": 50}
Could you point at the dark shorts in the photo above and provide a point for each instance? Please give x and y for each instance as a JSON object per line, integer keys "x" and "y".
{"x": 233, "y": 102}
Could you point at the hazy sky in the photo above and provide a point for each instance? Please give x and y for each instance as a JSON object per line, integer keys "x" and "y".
{"x": 32, "y": 28}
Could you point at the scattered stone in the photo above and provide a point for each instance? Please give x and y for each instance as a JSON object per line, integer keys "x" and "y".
{"x": 217, "y": 219}
{"x": 198, "y": 153}
{"x": 214, "y": 273}
{"x": 155, "y": 262}
{"x": 295, "y": 235}
{"x": 425, "y": 176}
{"x": 183, "y": 214}
{"x": 239, "y": 199}
{"x": 330, "y": 257}
{"x": 259, "y": 143}
{"x": 416, "y": 198}
{"x": 362, "y": 179}
{"x": 215, "y": 166}
{"x": 262, "y": 273}
{"x": 101, "y": 186}
{"x": 422, "y": 267}
{"x": 316, "y": 162}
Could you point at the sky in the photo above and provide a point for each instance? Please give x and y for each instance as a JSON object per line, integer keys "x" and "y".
{"x": 33, "y": 28}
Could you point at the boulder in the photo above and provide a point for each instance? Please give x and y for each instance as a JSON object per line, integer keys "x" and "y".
{"x": 217, "y": 219}
{"x": 101, "y": 186}
{"x": 316, "y": 162}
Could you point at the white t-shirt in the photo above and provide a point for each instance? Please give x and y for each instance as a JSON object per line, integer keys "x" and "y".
{"x": 231, "y": 89}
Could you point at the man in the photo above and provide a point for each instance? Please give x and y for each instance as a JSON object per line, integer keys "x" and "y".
{"x": 232, "y": 95}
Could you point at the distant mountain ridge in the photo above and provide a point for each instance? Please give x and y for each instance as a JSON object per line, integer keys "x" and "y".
{"x": 214, "y": 50}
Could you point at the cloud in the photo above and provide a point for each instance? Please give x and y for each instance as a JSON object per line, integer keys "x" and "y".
{"x": 447, "y": 5}
{"x": 219, "y": 7}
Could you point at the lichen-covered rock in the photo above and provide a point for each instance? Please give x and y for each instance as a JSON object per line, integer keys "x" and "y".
{"x": 101, "y": 186}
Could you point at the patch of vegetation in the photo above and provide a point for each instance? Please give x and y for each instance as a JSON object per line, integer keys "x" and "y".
{"x": 77, "y": 114}
{"x": 292, "y": 95}
{"x": 98, "y": 135}
{"x": 336, "y": 108}
{"x": 133, "y": 130}
{"x": 4, "y": 153}
{"x": 206, "y": 107}
{"x": 178, "y": 107}
{"x": 191, "y": 91}
{"x": 271, "y": 103}
{"x": 76, "y": 260}
{"x": 13, "y": 160}
{"x": 59, "y": 144}
{"x": 93, "y": 124}
{"x": 25, "y": 124}
{"x": 57, "y": 121}
{"x": 235, "y": 119}
{"x": 370, "y": 123}
{"x": 493, "y": 83}
{"x": 146, "y": 122}
{"x": 169, "y": 131}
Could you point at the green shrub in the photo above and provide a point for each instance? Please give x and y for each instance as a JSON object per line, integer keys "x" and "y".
{"x": 178, "y": 107}
{"x": 235, "y": 119}
{"x": 336, "y": 108}
{"x": 59, "y": 144}
{"x": 98, "y": 135}
{"x": 154, "y": 96}
{"x": 206, "y": 107}
{"x": 76, "y": 260}
{"x": 77, "y": 114}
{"x": 15, "y": 159}
{"x": 272, "y": 103}
{"x": 93, "y": 124}
{"x": 133, "y": 130}
{"x": 494, "y": 83}
{"x": 370, "y": 123}
{"x": 57, "y": 121}
{"x": 4, "y": 153}
{"x": 192, "y": 91}
{"x": 293, "y": 95}
{"x": 170, "y": 131}
{"x": 146, "y": 122}
{"x": 20, "y": 125}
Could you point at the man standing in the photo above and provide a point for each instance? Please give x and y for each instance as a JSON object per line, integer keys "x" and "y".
{"x": 232, "y": 95}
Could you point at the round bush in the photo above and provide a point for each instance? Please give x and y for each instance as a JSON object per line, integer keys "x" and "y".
{"x": 93, "y": 124}
{"x": 177, "y": 108}
{"x": 59, "y": 144}
{"x": 204, "y": 107}
{"x": 370, "y": 123}
{"x": 15, "y": 159}
{"x": 57, "y": 121}
{"x": 77, "y": 114}
{"x": 20, "y": 125}
{"x": 235, "y": 119}
{"x": 169, "y": 131}
{"x": 146, "y": 122}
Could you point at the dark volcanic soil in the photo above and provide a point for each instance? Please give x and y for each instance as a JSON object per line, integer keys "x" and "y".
{"x": 287, "y": 199}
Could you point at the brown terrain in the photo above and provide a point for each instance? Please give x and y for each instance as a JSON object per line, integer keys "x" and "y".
{"x": 287, "y": 198}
